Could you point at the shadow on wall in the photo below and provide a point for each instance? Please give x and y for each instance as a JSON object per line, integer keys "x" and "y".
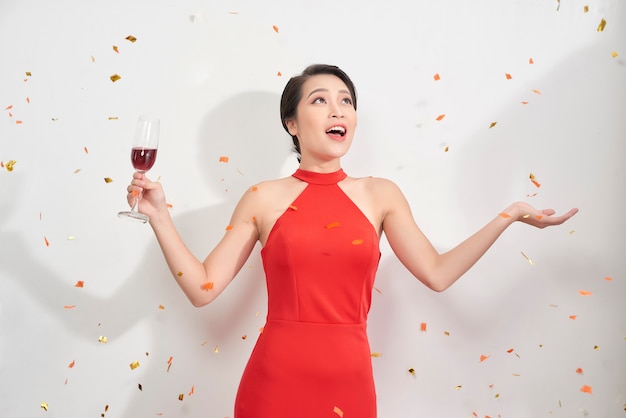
{"x": 246, "y": 128}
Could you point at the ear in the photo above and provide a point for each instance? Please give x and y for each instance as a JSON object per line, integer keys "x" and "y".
{"x": 292, "y": 126}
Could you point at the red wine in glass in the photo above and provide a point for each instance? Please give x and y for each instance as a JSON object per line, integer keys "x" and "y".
{"x": 143, "y": 155}
{"x": 143, "y": 158}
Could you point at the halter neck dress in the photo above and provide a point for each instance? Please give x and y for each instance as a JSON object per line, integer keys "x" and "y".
{"x": 313, "y": 359}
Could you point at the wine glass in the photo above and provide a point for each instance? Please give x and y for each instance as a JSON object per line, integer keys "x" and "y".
{"x": 143, "y": 155}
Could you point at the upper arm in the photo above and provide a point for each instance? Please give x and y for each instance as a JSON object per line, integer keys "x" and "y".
{"x": 407, "y": 241}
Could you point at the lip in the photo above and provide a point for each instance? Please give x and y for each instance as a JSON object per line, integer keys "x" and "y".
{"x": 337, "y": 137}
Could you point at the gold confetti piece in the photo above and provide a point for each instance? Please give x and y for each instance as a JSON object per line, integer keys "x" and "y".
{"x": 78, "y": 170}
{"x": 492, "y": 124}
{"x": 585, "y": 293}
{"x": 602, "y": 25}
{"x": 10, "y": 165}
{"x": 458, "y": 387}
{"x": 596, "y": 347}
{"x": 44, "y": 406}
{"x": 614, "y": 54}
{"x": 446, "y": 149}
{"x": 275, "y": 28}
{"x": 332, "y": 225}
{"x": 586, "y": 9}
{"x": 93, "y": 59}
{"x": 423, "y": 326}
{"x": 131, "y": 38}
{"x": 103, "y": 339}
{"x": 115, "y": 77}
{"x": 223, "y": 159}
{"x": 108, "y": 179}
{"x": 508, "y": 76}
{"x": 207, "y": 286}
{"x": 180, "y": 274}
{"x": 113, "y": 117}
{"x": 216, "y": 350}
{"x": 532, "y": 263}
{"x": 437, "y": 77}
{"x": 357, "y": 242}
{"x": 483, "y": 357}
{"x": 412, "y": 371}
{"x": 446, "y": 333}
{"x": 243, "y": 337}
{"x": 71, "y": 365}
{"x": 440, "y": 117}
{"x": 181, "y": 396}
{"x": 586, "y": 389}
{"x": 338, "y": 411}
{"x": 376, "y": 355}
{"x": 116, "y": 49}
{"x": 516, "y": 374}
{"x": 134, "y": 365}
{"x": 28, "y": 74}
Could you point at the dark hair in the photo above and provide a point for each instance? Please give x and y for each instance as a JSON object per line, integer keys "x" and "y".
{"x": 292, "y": 94}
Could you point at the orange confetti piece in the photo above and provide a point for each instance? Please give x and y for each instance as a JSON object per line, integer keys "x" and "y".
{"x": 483, "y": 357}
{"x": 254, "y": 188}
{"x": 585, "y": 293}
{"x": 80, "y": 283}
{"x": 332, "y": 225}
{"x": 579, "y": 370}
{"x": 423, "y": 326}
{"x": 229, "y": 227}
{"x": 338, "y": 411}
{"x": 437, "y": 77}
{"x": 108, "y": 179}
{"x": 357, "y": 242}
{"x": 508, "y": 76}
{"x": 45, "y": 240}
{"x": 510, "y": 350}
{"x": 131, "y": 38}
{"x": 207, "y": 286}
{"x": 223, "y": 159}
{"x": 539, "y": 217}
{"x": 19, "y": 122}
{"x": 69, "y": 306}
{"x": 504, "y": 215}
{"x": 191, "y": 392}
{"x": 608, "y": 279}
{"x": 440, "y": 117}
{"x": 161, "y": 307}
{"x": 375, "y": 354}
{"x": 28, "y": 100}
{"x": 586, "y": 389}
{"x": 524, "y": 102}
{"x": 116, "y": 49}
{"x": 536, "y": 91}
{"x": 573, "y": 317}
{"x": 279, "y": 74}
{"x": 71, "y": 365}
{"x": 536, "y": 183}
{"x": 275, "y": 28}
{"x": 601, "y": 25}
{"x": 530, "y": 60}
{"x": 86, "y": 150}
{"x": 115, "y": 77}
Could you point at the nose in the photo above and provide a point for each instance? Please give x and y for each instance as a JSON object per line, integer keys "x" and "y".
{"x": 335, "y": 111}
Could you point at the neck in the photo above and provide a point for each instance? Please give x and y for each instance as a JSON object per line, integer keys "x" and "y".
{"x": 320, "y": 167}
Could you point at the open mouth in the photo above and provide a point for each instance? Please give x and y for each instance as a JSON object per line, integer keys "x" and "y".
{"x": 336, "y": 131}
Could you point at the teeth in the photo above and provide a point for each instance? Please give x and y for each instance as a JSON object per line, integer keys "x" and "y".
{"x": 337, "y": 129}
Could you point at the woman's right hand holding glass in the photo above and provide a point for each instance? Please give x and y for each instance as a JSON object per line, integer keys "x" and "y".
{"x": 150, "y": 193}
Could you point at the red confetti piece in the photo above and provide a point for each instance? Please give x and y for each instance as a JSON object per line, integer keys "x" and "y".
{"x": 357, "y": 242}
{"x": 423, "y": 327}
{"x": 440, "y": 117}
{"x": 275, "y": 28}
{"x": 586, "y": 389}
{"x": 332, "y": 225}
{"x": 223, "y": 159}
{"x": 508, "y": 76}
{"x": 437, "y": 77}
{"x": 9, "y": 107}
{"x": 71, "y": 365}
{"x": 80, "y": 283}
{"x": 338, "y": 411}
{"x": 585, "y": 293}
{"x": 207, "y": 286}
{"x": 483, "y": 357}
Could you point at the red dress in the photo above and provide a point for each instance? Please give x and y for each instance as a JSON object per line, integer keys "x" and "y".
{"x": 313, "y": 358}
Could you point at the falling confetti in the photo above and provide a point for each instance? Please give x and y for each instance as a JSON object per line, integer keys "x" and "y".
{"x": 586, "y": 389}
{"x": 103, "y": 339}
{"x": 44, "y": 406}
{"x": 115, "y": 48}
{"x": 131, "y": 38}
{"x": 573, "y": 317}
{"x": 411, "y": 371}
{"x": 376, "y": 354}
{"x": 532, "y": 263}
{"x": 115, "y": 77}
{"x": 108, "y": 179}
{"x": 601, "y": 25}
{"x": 585, "y": 293}
{"x": 458, "y": 387}
{"x": 440, "y": 117}
{"x": 508, "y": 76}
{"x": 207, "y": 286}
{"x": 161, "y": 307}
{"x": 275, "y": 28}
{"x": 223, "y": 159}
{"x": 423, "y": 326}
{"x": 579, "y": 370}
{"x": 292, "y": 207}
{"x": 45, "y": 240}
{"x": 279, "y": 74}
{"x": 69, "y": 306}
{"x": 437, "y": 77}
{"x": 338, "y": 411}
{"x": 586, "y": 9}
{"x": 614, "y": 54}
{"x": 10, "y": 165}
{"x": 483, "y": 357}
{"x": 332, "y": 225}
{"x": 134, "y": 365}
{"x": 357, "y": 242}
{"x": 71, "y": 365}
{"x": 531, "y": 61}
{"x": 492, "y": 124}
{"x": 80, "y": 283}
{"x": 180, "y": 274}
{"x": 504, "y": 215}
{"x": 254, "y": 188}
{"x": 181, "y": 396}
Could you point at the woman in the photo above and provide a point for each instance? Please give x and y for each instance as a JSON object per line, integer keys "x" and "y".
{"x": 319, "y": 230}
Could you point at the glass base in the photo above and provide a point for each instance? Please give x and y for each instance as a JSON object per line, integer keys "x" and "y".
{"x": 135, "y": 216}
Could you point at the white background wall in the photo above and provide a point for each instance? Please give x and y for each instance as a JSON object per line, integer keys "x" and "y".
{"x": 210, "y": 70}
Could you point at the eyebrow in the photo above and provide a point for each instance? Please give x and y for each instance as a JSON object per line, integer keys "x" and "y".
{"x": 326, "y": 90}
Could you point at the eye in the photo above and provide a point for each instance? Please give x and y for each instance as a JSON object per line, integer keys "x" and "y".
{"x": 319, "y": 100}
{"x": 347, "y": 100}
